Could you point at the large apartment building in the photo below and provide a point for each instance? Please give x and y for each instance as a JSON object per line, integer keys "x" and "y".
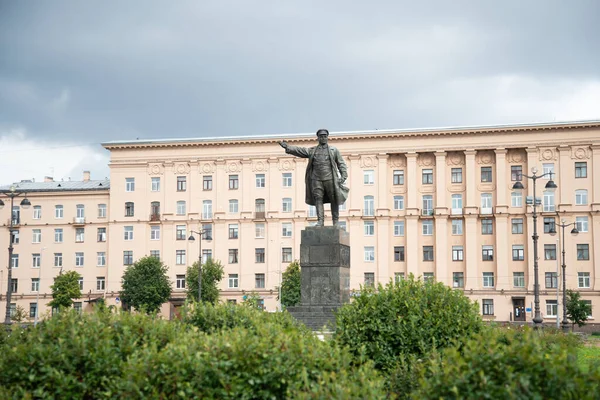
{"x": 436, "y": 203}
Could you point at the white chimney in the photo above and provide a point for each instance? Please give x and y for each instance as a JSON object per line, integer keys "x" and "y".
{"x": 48, "y": 179}
{"x": 86, "y": 176}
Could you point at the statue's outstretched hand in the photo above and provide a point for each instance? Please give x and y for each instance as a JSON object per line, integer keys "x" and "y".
{"x": 283, "y": 144}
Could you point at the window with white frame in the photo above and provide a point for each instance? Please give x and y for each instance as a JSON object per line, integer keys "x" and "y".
{"x": 456, "y": 175}
{"x": 129, "y": 209}
{"x": 233, "y": 281}
{"x": 208, "y": 231}
{"x": 487, "y": 226}
{"x": 207, "y": 211}
{"x": 583, "y": 280}
{"x": 79, "y": 259}
{"x": 129, "y": 184}
{"x": 398, "y": 277}
{"x": 369, "y": 278}
{"x": 518, "y": 252}
{"x": 35, "y": 284}
{"x": 369, "y": 206}
{"x": 37, "y": 212}
{"x": 486, "y": 203}
{"x": 233, "y": 206}
{"x": 581, "y": 197}
{"x": 14, "y": 261}
{"x": 457, "y": 203}
{"x": 180, "y": 257}
{"x": 427, "y": 176}
{"x": 155, "y": 232}
{"x": 548, "y": 201}
{"x": 427, "y": 204}
{"x": 287, "y": 179}
{"x": 101, "y": 259}
{"x": 516, "y": 173}
{"x": 207, "y": 182}
{"x": 156, "y": 254}
{"x": 155, "y": 184}
{"x": 286, "y": 229}
{"x": 181, "y": 209}
{"x": 547, "y": 168}
{"x": 58, "y": 212}
{"x": 549, "y": 252}
{"x": 58, "y": 260}
{"x": 128, "y": 232}
{"x": 286, "y": 254}
{"x": 234, "y": 182}
{"x": 398, "y": 177}
{"x": 206, "y": 255}
{"x": 181, "y": 232}
{"x": 36, "y": 260}
{"x": 259, "y": 255}
{"x": 457, "y": 226}
{"x": 79, "y": 235}
{"x": 398, "y": 202}
{"x": 457, "y": 253}
{"x": 369, "y": 228}
{"x": 259, "y": 281}
{"x": 551, "y": 279}
{"x": 127, "y": 257}
{"x": 516, "y": 199}
{"x": 101, "y": 210}
{"x": 488, "y": 306}
{"x": 582, "y": 224}
{"x": 488, "y": 279}
{"x": 37, "y": 235}
{"x": 259, "y": 230}
{"x": 551, "y": 308}
{"x": 487, "y": 253}
{"x": 260, "y": 180}
{"x": 233, "y": 231}
{"x": 458, "y": 279}
{"x": 369, "y": 252}
{"x": 517, "y": 226}
{"x": 100, "y": 283}
{"x": 583, "y": 251}
{"x": 369, "y": 177}
{"x": 519, "y": 279}
{"x": 287, "y": 204}
{"x": 181, "y": 183}
{"x": 180, "y": 281}
{"x": 58, "y": 235}
{"x": 101, "y": 234}
{"x": 233, "y": 256}
{"x": 398, "y": 228}
{"x": 427, "y": 227}
{"x": 581, "y": 169}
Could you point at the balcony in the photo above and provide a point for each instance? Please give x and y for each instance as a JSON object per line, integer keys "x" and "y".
{"x": 77, "y": 221}
{"x": 154, "y": 217}
{"x": 259, "y": 215}
{"x": 427, "y": 212}
{"x": 207, "y": 215}
{"x": 487, "y": 210}
{"x": 15, "y": 222}
{"x": 457, "y": 211}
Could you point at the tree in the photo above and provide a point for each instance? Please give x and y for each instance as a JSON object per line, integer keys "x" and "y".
{"x": 290, "y": 285}
{"x": 19, "y": 315}
{"x": 577, "y": 310}
{"x": 146, "y": 285}
{"x": 212, "y": 274}
{"x": 65, "y": 289}
{"x": 253, "y": 300}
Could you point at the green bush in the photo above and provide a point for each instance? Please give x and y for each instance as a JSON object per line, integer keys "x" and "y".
{"x": 505, "y": 364}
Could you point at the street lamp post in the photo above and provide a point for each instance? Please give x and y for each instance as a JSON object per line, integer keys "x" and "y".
{"x": 574, "y": 232}
{"x": 12, "y": 192}
{"x": 550, "y": 185}
{"x": 191, "y": 239}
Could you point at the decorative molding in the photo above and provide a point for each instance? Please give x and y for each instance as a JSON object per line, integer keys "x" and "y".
{"x": 259, "y": 166}
{"x": 548, "y": 154}
{"x": 426, "y": 160}
{"x": 486, "y": 157}
{"x": 181, "y": 168}
{"x": 233, "y": 167}
{"x": 427, "y": 189}
{"x": 454, "y": 188}
{"x": 207, "y": 168}
{"x": 397, "y": 161}
{"x": 516, "y": 156}
{"x": 580, "y": 153}
{"x": 486, "y": 187}
{"x": 287, "y": 165}
{"x": 156, "y": 169}
{"x": 455, "y": 158}
{"x": 368, "y": 162}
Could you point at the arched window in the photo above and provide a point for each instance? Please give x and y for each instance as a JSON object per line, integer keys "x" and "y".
{"x": 369, "y": 206}
{"x": 155, "y": 211}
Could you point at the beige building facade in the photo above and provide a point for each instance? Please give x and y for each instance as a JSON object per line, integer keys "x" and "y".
{"x": 437, "y": 203}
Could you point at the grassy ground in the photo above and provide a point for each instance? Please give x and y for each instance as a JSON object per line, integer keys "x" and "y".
{"x": 589, "y": 352}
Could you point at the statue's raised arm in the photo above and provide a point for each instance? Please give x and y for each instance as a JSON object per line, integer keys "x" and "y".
{"x": 325, "y": 174}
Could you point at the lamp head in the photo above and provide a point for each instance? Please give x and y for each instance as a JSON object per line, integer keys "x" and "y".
{"x": 25, "y": 203}
{"x": 191, "y": 238}
{"x": 551, "y": 186}
{"x": 518, "y": 186}
{"x": 575, "y": 231}
{"x": 552, "y": 231}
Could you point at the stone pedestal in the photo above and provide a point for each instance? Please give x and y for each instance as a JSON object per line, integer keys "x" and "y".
{"x": 325, "y": 271}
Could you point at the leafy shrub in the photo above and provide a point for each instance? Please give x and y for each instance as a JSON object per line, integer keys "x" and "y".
{"x": 505, "y": 364}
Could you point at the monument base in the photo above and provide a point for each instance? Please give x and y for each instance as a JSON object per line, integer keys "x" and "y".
{"x": 325, "y": 276}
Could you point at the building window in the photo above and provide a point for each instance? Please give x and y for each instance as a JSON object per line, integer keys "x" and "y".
{"x": 551, "y": 280}
{"x": 487, "y": 253}
{"x": 155, "y": 254}
{"x": 58, "y": 235}
{"x": 233, "y": 231}
{"x": 457, "y": 253}
{"x": 259, "y": 230}
{"x": 486, "y": 203}
{"x": 129, "y": 184}
{"x": 548, "y": 168}
{"x": 581, "y": 223}
{"x": 517, "y": 226}
{"x": 286, "y": 229}
{"x": 233, "y": 256}
{"x": 14, "y": 237}
{"x": 581, "y": 170}
{"x": 259, "y": 281}
{"x": 77, "y": 307}
{"x": 428, "y": 277}
{"x": 486, "y": 174}
{"x": 37, "y": 235}
{"x": 128, "y": 232}
{"x": 487, "y": 226}
{"x": 129, "y": 211}
{"x": 207, "y": 182}
{"x": 589, "y": 303}
{"x": 551, "y": 308}
{"x": 427, "y": 253}
{"x": 207, "y": 209}
{"x": 398, "y": 253}
{"x": 583, "y": 280}
{"x": 100, "y": 283}
{"x": 398, "y": 177}
{"x": 519, "y": 279}
{"x": 286, "y": 254}
{"x": 58, "y": 212}
{"x": 581, "y": 197}
{"x": 369, "y": 253}
{"x": 32, "y": 310}
{"x": 259, "y": 208}
{"x": 548, "y": 201}
{"x": 57, "y": 260}
{"x": 155, "y": 184}
{"x": 101, "y": 210}
{"x": 206, "y": 255}
{"x": 181, "y": 183}
{"x": 234, "y": 182}
{"x": 369, "y": 228}
{"x": 488, "y": 279}
{"x": 428, "y": 227}
{"x": 260, "y": 180}
{"x": 80, "y": 212}
{"x": 549, "y": 252}
{"x": 37, "y": 212}
{"x": 456, "y": 176}
{"x": 398, "y": 202}
{"x": 36, "y": 260}
{"x": 128, "y": 257}
{"x": 427, "y": 205}
{"x": 286, "y": 179}
{"x": 457, "y": 227}
{"x": 180, "y": 281}
{"x": 369, "y": 279}
{"x": 287, "y": 204}
{"x": 369, "y": 177}
{"x": 342, "y": 225}
{"x": 458, "y": 279}
{"x": 155, "y": 232}
{"x": 516, "y": 199}
{"x": 312, "y": 211}
{"x": 102, "y": 234}
{"x": 14, "y": 261}
{"x": 518, "y": 252}
{"x": 101, "y": 259}
{"x": 427, "y": 176}
{"x": 488, "y": 306}
{"x": 181, "y": 207}
{"x": 369, "y": 203}
{"x": 208, "y": 231}
{"x": 549, "y": 224}
{"x": 259, "y": 255}
{"x": 180, "y": 232}
{"x": 233, "y": 281}
{"x": 457, "y": 204}
{"x": 516, "y": 173}
{"x": 233, "y": 206}
{"x": 180, "y": 257}
{"x": 398, "y": 277}
{"x": 14, "y": 284}
{"x": 398, "y": 228}
{"x": 583, "y": 251}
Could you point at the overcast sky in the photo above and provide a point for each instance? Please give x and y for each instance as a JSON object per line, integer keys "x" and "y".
{"x": 74, "y": 74}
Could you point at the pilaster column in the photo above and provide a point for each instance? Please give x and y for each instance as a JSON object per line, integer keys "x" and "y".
{"x": 354, "y": 177}
{"x": 440, "y": 182}
{"x": 221, "y": 188}
{"x": 532, "y": 160}
{"x": 595, "y": 200}
{"x": 472, "y": 252}
{"x": 413, "y": 251}
{"x": 298, "y": 177}
{"x": 471, "y": 183}
{"x": 411, "y": 181}
{"x": 502, "y": 252}
{"x": 567, "y": 178}
{"x": 247, "y": 182}
{"x": 273, "y": 202}
{"x": 595, "y": 275}
{"x": 502, "y": 201}
{"x": 382, "y": 184}
{"x": 383, "y": 249}
{"x": 441, "y": 250}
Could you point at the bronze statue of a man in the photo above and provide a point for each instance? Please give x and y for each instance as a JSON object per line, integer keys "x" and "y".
{"x": 325, "y": 175}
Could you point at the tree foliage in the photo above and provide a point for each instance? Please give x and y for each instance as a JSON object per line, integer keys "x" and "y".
{"x": 253, "y": 300}
{"x": 212, "y": 274}
{"x": 19, "y": 315}
{"x": 577, "y": 309}
{"x": 146, "y": 285}
{"x": 290, "y": 285}
{"x": 65, "y": 289}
